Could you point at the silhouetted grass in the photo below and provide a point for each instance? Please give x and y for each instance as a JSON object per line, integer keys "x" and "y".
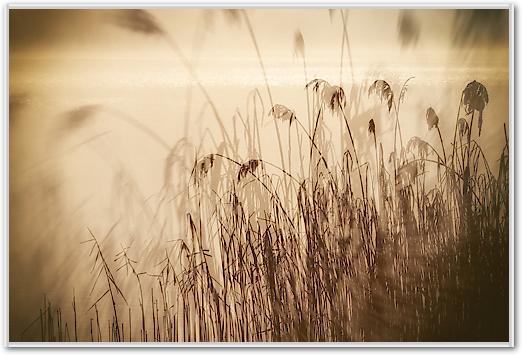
{"x": 347, "y": 251}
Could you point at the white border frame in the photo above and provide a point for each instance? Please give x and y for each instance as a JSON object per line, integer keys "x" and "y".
{"x": 265, "y": 4}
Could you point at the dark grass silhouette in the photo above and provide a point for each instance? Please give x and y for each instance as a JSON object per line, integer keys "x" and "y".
{"x": 347, "y": 251}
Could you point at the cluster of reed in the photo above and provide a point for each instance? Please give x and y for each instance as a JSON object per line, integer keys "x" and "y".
{"x": 408, "y": 247}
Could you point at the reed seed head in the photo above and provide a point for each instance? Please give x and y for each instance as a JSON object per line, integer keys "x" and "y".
{"x": 431, "y": 118}
{"x": 383, "y": 90}
{"x": 282, "y": 112}
{"x": 140, "y": 21}
{"x": 248, "y": 167}
{"x": 371, "y": 127}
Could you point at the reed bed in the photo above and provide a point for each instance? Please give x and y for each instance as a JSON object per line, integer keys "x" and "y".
{"x": 411, "y": 245}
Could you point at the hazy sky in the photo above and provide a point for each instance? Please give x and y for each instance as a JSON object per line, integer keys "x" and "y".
{"x": 374, "y": 38}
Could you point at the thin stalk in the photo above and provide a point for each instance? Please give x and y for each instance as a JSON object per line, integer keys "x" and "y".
{"x": 74, "y": 310}
{"x": 261, "y": 63}
{"x": 312, "y": 142}
{"x": 442, "y": 144}
{"x": 345, "y": 36}
{"x": 355, "y": 154}
{"x": 188, "y": 66}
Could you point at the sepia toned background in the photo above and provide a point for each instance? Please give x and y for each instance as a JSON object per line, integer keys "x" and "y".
{"x": 94, "y": 110}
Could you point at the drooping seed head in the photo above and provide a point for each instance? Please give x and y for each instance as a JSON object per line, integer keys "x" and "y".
{"x": 463, "y": 126}
{"x": 138, "y": 21}
{"x": 331, "y": 95}
{"x": 248, "y": 167}
{"x": 406, "y": 174}
{"x": 77, "y": 117}
{"x": 408, "y": 28}
{"x": 299, "y": 45}
{"x": 475, "y": 98}
{"x": 331, "y": 13}
{"x": 232, "y": 16}
{"x": 281, "y": 112}
{"x": 419, "y": 144}
{"x": 202, "y": 167}
{"x": 383, "y": 91}
{"x": 317, "y": 85}
{"x": 334, "y": 98}
{"x": 371, "y": 127}
{"x": 431, "y": 118}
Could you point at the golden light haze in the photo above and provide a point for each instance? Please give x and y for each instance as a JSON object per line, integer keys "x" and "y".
{"x": 64, "y": 178}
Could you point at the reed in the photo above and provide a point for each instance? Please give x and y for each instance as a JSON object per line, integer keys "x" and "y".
{"x": 266, "y": 255}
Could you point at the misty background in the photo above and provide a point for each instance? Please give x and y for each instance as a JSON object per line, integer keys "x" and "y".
{"x": 81, "y": 86}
